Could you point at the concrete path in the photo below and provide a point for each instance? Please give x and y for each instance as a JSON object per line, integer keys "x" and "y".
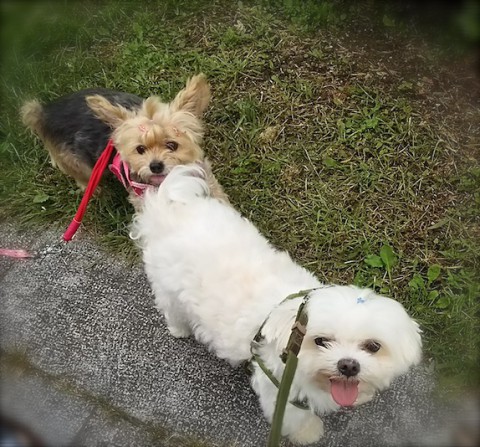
{"x": 87, "y": 361}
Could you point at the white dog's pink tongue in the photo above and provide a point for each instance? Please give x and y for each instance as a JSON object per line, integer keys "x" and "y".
{"x": 344, "y": 392}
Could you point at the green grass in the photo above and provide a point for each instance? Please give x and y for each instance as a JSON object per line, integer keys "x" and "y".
{"x": 366, "y": 171}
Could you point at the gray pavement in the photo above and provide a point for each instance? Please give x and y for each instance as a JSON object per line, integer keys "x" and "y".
{"x": 87, "y": 361}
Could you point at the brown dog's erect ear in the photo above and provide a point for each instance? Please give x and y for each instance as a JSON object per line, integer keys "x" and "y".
{"x": 194, "y": 97}
{"x": 113, "y": 115}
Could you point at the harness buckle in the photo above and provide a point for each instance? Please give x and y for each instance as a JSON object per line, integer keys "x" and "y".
{"x": 299, "y": 327}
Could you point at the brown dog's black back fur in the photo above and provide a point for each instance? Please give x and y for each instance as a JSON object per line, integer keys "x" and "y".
{"x": 70, "y": 122}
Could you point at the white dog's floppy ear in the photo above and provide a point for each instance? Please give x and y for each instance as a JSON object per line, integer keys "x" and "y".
{"x": 406, "y": 343}
{"x": 194, "y": 98}
{"x": 279, "y": 324}
{"x": 410, "y": 344}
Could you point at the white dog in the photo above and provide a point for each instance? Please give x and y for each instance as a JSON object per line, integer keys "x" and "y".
{"x": 216, "y": 277}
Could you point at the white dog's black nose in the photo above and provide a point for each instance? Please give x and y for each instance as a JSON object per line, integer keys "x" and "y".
{"x": 348, "y": 367}
{"x": 156, "y": 167}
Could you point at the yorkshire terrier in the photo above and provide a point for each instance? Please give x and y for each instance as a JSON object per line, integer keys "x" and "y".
{"x": 150, "y": 136}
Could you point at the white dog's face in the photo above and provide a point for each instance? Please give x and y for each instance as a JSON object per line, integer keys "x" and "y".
{"x": 356, "y": 343}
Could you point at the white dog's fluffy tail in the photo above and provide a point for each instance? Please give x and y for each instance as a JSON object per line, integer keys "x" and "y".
{"x": 184, "y": 183}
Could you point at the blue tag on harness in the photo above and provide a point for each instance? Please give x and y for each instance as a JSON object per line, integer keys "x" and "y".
{"x": 360, "y": 300}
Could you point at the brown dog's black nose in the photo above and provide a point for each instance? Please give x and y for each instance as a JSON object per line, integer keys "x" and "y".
{"x": 157, "y": 167}
{"x": 348, "y": 367}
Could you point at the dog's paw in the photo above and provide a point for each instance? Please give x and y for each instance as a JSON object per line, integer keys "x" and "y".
{"x": 308, "y": 432}
{"x": 179, "y": 331}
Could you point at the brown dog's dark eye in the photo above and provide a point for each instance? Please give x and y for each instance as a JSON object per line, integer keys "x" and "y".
{"x": 372, "y": 346}
{"x": 141, "y": 149}
{"x": 320, "y": 341}
{"x": 172, "y": 145}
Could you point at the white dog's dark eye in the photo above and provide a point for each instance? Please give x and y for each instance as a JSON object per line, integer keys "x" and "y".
{"x": 172, "y": 145}
{"x": 141, "y": 149}
{"x": 320, "y": 341}
{"x": 372, "y": 346}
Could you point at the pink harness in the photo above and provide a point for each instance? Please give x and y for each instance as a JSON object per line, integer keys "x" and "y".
{"x": 120, "y": 169}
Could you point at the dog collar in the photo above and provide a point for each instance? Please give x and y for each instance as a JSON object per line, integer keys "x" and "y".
{"x": 121, "y": 170}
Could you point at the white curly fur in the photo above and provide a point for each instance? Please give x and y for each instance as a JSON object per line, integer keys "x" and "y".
{"x": 216, "y": 277}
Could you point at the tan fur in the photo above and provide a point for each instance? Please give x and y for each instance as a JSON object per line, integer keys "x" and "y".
{"x": 32, "y": 117}
{"x": 69, "y": 164}
{"x": 216, "y": 189}
{"x": 150, "y": 106}
{"x": 194, "y": 98}
{"x": 112, "y": 115}
{"x": 155, "y": 125}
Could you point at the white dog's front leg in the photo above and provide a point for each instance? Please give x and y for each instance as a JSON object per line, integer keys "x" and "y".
{"x": 177, "y": 324}
{"x": 177, "y": 330}
{"x": 301, "y": 426}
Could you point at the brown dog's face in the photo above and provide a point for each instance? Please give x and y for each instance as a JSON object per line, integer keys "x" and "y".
{"x": 158, "y": 136}
{"x": 152, "y": 147}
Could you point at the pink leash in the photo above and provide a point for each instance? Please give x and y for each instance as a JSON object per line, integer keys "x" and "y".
{"x": 97, "y": 172}
{"x": 21, "y": 254}
{"x": 93, "y": 182}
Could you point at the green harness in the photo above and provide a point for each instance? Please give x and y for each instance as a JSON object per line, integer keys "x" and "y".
{"x": 289, "y": 356}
